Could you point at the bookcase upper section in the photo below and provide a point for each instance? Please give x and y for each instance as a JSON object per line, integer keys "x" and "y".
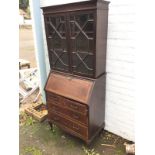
{"x": 76, "y": 36}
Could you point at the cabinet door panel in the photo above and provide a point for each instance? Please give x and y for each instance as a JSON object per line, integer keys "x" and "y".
{"x": 57, "y": 42}
{"x": 82, "y": 36}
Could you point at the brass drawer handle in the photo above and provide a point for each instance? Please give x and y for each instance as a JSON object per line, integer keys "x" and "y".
{"x": 77, "y": 128}
{"x": 74, "y": 106}
{"x": 57, "y": 103}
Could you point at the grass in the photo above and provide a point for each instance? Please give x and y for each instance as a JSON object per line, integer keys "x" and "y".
{"x": 90, "y": 151}
{"x": 39, "y": 135}
{"x": 26, "y": 120}
{"x": 32, "y": 150}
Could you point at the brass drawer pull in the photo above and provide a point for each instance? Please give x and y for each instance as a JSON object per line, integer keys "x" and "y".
{"x": 74, "y": 106}
{"x": 57, "y": 103}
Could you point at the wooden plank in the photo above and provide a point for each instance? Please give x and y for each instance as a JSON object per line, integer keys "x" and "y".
{"x": 69, "y": 86}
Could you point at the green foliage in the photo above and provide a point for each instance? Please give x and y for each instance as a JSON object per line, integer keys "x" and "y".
{"x": 23, "y": 4}
{"x": 28, "y": 12}
{"x": 32, "y": 150}
{"x": 119, "y": 151}
{"x": 29, "y": 121}
{"x": 26, "y": 120}
{"x": 90, "y": 151}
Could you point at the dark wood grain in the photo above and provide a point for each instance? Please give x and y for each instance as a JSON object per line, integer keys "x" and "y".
{"x": 69, "y": 58}
{"x": 91, "y": 114}
{"x": 70, "y": 87}
{"x": 61, "y": 120}
{"x": 97, "y": 106}
{"x": 75, "y": 88}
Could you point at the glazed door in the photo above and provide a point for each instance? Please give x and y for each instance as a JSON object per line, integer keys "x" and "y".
{"x": 82, "y": 41}
{"x": 57, "y": 42}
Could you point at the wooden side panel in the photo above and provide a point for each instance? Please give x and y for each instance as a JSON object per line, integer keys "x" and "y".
{"x": 69, "y": 87}
{"x": 101, "y": 38}
{"x": 97, "y": 106}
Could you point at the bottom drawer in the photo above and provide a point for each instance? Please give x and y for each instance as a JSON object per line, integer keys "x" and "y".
{"x": 69, "y": 113}
{"x": 60, "y": 120}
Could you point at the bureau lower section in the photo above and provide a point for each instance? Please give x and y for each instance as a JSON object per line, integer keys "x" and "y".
{"x": 81, "y": 119}
{"x": 65, "y": 114}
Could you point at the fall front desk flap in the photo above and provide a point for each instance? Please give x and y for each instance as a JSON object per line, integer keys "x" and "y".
{"x": 69, "y": 86}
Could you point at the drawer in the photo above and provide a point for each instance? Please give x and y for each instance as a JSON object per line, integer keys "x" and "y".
{"x": 52, "y": 98}
{"x": 60, "y": 120}
{"x": 69, "y": 113}
{"x": 73, "y": 105}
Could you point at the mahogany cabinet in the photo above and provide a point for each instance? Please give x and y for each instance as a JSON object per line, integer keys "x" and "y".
{"x": 75, "y": 104}
{"x": 76, "y": 35}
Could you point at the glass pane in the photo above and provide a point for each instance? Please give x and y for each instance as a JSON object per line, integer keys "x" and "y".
{"x": 57, "y": 42}
{"x": 89, "y": 29}
{"x": 82, "y": 43}
{"x": 74, "y": 29}
{"x": 81, "y": 19}
{"x": 91, "y": 16}
{"x": 77, "y": 57}
{"x": 50, "y": 30}
{"x": 83, "y": 65}
{"x": 59, "y": 60}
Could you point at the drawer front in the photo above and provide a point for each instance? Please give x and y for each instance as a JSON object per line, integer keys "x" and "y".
{"x": 67, "y": 103}
{"x": 60, "y": 120}
{"x": 69, "y": 113}
{"x": 55, "y": 99}
{"x": 73, "y": 105}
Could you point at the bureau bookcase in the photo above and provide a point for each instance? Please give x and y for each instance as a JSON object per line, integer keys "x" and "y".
{"x": 76, "y": 35}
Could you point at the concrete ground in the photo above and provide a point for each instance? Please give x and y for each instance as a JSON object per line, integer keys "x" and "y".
{"x": 27, "y": 52}
{"x": 38, "y": 139}
{"x": 26, "y": 45}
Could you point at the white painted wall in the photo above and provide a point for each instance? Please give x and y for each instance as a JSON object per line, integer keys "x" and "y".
{"x": 120, "y": 89}
{"x": 38, "y": 43}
